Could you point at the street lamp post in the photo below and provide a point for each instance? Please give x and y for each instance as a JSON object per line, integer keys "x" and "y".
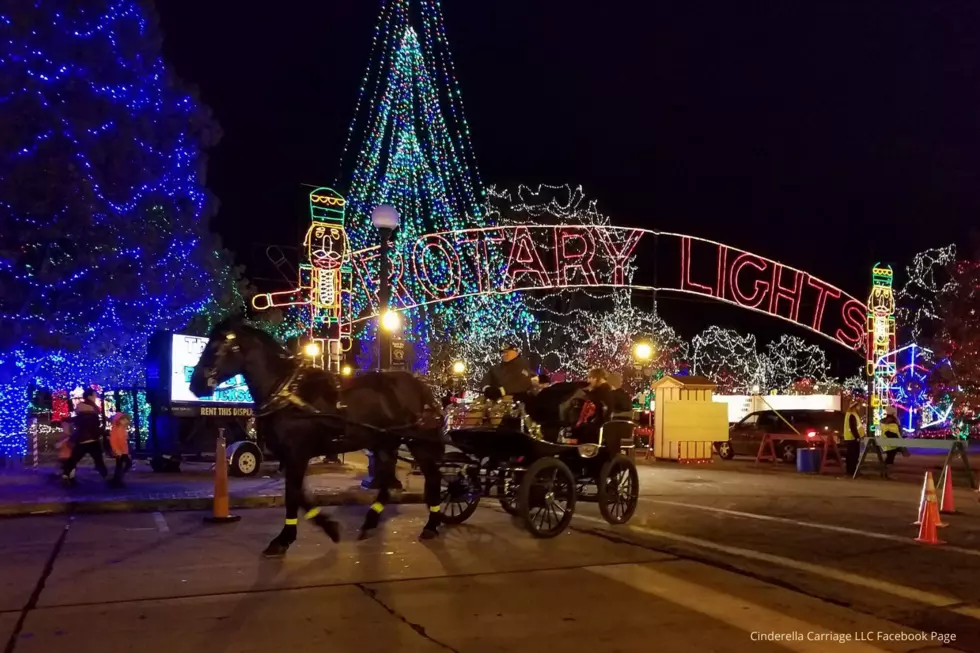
{"x": 642, "y": 357}
{"x": 459, "y": 377}
{"x": 385, "y": 218}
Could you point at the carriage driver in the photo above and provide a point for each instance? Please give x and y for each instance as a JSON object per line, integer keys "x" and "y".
{"x": 511, "y": 376}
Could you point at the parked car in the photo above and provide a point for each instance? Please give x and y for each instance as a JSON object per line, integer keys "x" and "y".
{"x": 745, "y": 437}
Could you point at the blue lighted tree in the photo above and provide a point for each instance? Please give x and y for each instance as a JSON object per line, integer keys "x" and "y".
{"x": 103, "y": 209}
{"x": 409, "y": 146}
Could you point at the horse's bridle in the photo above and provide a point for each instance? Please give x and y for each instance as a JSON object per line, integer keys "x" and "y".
{"x": 230, "y": 342}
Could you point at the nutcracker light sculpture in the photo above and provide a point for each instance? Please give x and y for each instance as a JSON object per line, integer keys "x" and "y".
{"x": 880, "y": 356}
{"x": 324, "y": 282}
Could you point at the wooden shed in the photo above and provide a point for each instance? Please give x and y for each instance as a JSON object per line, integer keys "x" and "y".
{"x": 687, "y": 421}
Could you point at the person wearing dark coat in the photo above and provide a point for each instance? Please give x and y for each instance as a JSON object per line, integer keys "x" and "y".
{"x": 511, "y": 376}
{"x": 88, "y": 426}
{"x": 622, "y": 405}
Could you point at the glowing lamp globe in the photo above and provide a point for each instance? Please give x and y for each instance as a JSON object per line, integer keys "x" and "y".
{"x": 459, "y": 368}
{"x": 385, "y": 216}
{"x": 311, "y": 349}
{"x": 346, "y": 370}
{"x": 643, "y": 351}
{"x": 391, "y": 321}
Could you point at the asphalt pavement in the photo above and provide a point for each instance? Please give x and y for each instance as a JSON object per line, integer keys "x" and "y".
{"x": 714, "y": 560}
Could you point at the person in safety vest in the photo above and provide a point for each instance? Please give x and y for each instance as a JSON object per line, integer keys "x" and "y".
{"x": 890, "y": 428}
{"x": 511, "y": 376}
{"x": 851, "y": 434}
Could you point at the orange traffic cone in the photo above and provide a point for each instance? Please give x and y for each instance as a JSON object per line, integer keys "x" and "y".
{"x": 946, "y": 499}
{"x": 220, "y": 513}
{"x": 922, "y": 501}
{"x": 930, "y": 519}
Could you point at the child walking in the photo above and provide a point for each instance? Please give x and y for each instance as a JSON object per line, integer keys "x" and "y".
{"x": 119, "y": 443}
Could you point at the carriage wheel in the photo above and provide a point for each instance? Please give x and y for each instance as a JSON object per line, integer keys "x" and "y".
{"x": 508, "y": 495}
{"x": 619, "y": 489}
{"x": 459, "y": 495}
{"x": 546, "y": 497}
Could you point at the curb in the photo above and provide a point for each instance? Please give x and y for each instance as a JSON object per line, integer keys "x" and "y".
{"x": 344, "y": 497}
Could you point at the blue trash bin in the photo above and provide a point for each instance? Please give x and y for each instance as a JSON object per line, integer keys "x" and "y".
{"x": 807, "y": 460}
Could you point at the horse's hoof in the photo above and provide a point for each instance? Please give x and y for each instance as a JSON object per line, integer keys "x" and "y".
{"x": 365, "y": 533}
{"x": 428, "y": 534}
{"x": 276, "y": 549}
{"x": 330, "y": 527}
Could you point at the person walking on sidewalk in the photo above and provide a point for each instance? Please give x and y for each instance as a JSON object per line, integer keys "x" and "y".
{"x": 88, "y": 426}
{"x": 119, "y": 443}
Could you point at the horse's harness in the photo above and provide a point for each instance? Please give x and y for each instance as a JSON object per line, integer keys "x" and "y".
{"x": 286, "y": 396}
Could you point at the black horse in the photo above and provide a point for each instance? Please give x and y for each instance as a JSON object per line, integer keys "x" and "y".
{"x": 303, "y": 413}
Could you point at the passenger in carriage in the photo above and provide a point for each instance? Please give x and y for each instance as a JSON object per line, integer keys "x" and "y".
{"x": 600, "y": 395}
{"x": 622, "y": 405}
{"x": 512, "y": 376}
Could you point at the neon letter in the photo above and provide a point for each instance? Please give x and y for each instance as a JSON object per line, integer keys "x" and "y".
{"x": 686, "y": 283}
{"x": 792, "y": 294}
{"x": 451, "y": 267}
{"x": 479, "y": 245}
{"x": 854, "y": 314}
{"x": 566, "y": 260}
{"x": 524, "y": 259}
{"x": 369, "y": 279}
{"x": 400, "y": 295}
{"x": 824, "y": 290}
{"x": 760, "y": 287}
{"x": 620, "y": 252}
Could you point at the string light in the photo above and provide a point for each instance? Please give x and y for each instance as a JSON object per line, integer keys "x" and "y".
{"x": 729, "y": 359}
{"x": 105, "y": 236}
{"x": 881, "y": 342}
{"x": 323, "y": 294}
{"x": 958, "y": 341}
{"x": 409, "y": 146}
{"x": 927, "y": 282}
{"x": 790, "y": 359}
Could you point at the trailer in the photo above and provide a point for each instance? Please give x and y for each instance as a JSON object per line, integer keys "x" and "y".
{"x": 186, "y": 427}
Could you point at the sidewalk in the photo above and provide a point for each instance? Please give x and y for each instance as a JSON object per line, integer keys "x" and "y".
{"x": 40, "y": 491}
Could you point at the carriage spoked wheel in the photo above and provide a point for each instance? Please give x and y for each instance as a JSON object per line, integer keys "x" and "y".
{"x": 618, "y": 489}
{"x": 459, "y": 495}
{"x": 508, "y": 488}
{"x": 546, "y": 497}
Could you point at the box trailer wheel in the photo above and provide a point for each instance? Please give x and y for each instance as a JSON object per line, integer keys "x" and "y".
{"x": 244, "y": 458}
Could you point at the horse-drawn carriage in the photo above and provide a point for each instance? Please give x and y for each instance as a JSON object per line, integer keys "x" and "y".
{"x": 537, "y": 472}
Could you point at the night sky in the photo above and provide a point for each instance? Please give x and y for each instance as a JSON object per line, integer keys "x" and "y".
{"x": 826, "y": 135}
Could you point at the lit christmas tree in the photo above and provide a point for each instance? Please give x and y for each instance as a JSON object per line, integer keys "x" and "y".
{"x": 409, "y": 146}
{"x": 959, "y": 339}
{"x": 729, "y": 359}
{"x": 790, "y": 360}
{"x": 103, "y": 208}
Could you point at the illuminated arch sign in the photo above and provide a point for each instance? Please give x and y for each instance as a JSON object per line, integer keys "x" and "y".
{"x": 448, "y": 265}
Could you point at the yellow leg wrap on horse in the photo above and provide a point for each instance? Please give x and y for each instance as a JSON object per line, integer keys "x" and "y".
{"x": 292, "y": 522}
{"x": 377, "y": 506}
{"x": 433, "y": 508}
{"x": 313, "y": 513}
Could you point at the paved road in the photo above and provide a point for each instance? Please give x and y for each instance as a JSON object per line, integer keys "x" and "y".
{"x": 713, "y": 561}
